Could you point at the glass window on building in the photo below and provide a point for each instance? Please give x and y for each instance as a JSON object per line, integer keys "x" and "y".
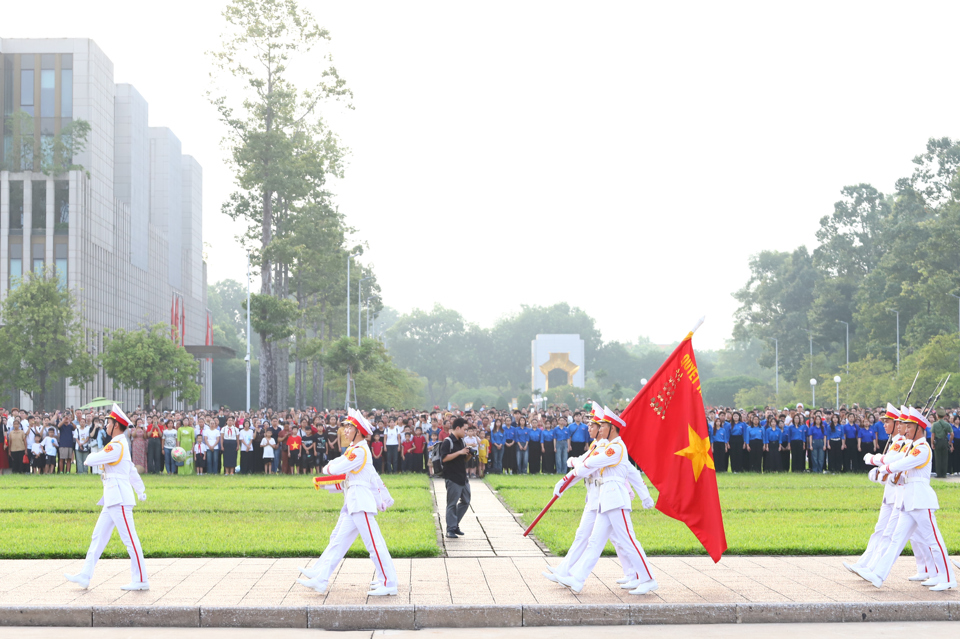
{"x": 26, "y": 83}
{"x": 37, "y": 254}
{"x": 61, "y": 207}
{"x": 60, "y": 264}
{"x": 16, "y": 264}
{"x": 16, "y": 207}
{"x": 48, "y": 82}
{"x": 66, "y": 92}
{"x": 39, "y": 207}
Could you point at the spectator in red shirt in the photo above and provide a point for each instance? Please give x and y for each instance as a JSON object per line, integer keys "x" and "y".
{"x": 407, "y": 452}
{"x": 419, "y": 451}
{"x": 376, "y": 447}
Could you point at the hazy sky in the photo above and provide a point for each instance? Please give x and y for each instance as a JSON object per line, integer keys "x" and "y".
{"x": 624, "y": 157}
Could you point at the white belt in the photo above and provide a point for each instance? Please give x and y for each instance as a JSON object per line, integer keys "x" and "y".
{"x": 347, "y": 483}
{"x": 607, "y": 480}
{"x": 917, "y": 480}
{"x": 592, "y": 482}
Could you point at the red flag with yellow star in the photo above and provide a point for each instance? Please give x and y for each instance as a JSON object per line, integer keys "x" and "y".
{"x": 666, "y": 433}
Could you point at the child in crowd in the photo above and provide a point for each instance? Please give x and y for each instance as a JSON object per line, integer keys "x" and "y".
{"x": 49, "y": 455}
{"x": 484, "y": 453}
{"x": 269, "y": 445}
{"x": 472, "y": 441}
{"x": 406, "y": 452}
{"x": 199, "y": 454}
{"x": 420, "y": 450}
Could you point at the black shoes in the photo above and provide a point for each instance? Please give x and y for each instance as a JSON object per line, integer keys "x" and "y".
{"x": 454, "y": 533}
{"x": 450, "y": 535}
{"x": 459, "y": 532}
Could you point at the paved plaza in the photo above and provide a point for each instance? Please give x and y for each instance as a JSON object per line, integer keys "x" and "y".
{"x": 493, "y": 566}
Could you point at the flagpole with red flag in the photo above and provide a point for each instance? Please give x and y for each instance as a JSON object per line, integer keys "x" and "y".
{"x": 666, "y": 433}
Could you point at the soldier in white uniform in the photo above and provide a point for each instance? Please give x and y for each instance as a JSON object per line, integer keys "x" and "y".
{"x": 613, "y": 519}
{"x": 364, "y": 496}
{"x": 592, "y": 505}
{"x": 917, "y": 519}
{"x": 892, "y": 499}
{"x": 120, "y": 479}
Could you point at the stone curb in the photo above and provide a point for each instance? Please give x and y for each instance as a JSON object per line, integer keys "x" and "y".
{"x": 412, "y": 617}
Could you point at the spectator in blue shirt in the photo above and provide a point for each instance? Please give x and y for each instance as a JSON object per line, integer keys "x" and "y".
{"x": 522, "y": 434}
{"x": 955, "y": 449}
{"x": 579, "y": 435}
{"x": 866, "y": 443}
{"x": 561, "y": 445}
{"x": 737, "y": 446}
{"x": 880, "y": 432}
{"x": 834, "y": 435}
{"x": 797, "y": 434}
{"x": 535, "y": 448}
{"x": 817, "y": 444}
{"x": 785, "y": 446}
{"x": 721, "y": 444}
{"x": 771, "y": 447}
{"x": 755, "y": 444}
{"x": 850, "y": 431}
{"x": 548, "y": 456}
{"x": 510, "y": 450}
{"x": 497, "y": 440}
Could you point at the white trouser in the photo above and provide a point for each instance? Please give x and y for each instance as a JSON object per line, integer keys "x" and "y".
{"x": 878, "y": 532}
{"x": 613, "y": 525}
{"x": 921, "y": 552}
{"x": 346, "y": 531}
{"x": 919, "y": 526}
{"x": 121, "y": 518}
{"x": 580, "y": 540}
{"x": 325, "y": 557}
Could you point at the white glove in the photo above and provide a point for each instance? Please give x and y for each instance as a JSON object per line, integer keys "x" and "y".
{"x": 874, "y": 474}
{"x": 142, "y": 496}
{"x": 571, "y": 461}
{"x": 556, "y": 488}
{"x": 868, "y": 459}
{"x": 648, "y": 503}
{"x": 326, "y": 469}
{"x": 385, "y": 503}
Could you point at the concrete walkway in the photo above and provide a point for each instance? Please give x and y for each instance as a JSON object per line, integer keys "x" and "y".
{"x": 491, "y": 530}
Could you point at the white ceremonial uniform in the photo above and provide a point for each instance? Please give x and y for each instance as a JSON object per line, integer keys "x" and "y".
{"x": 890, "y": 512}
{"x": 916, "y": 518}
{"x": 613, "y": 519}
{"x": 364, "y": 496}
{"x": 120, "y": 479}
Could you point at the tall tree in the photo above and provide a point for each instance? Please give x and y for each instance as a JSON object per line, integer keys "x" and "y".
{"x": 41, "y": 339}
{"x": 280, "y": 148}
{"x": 149, "y": 360}
{"x": 430, "y": 343}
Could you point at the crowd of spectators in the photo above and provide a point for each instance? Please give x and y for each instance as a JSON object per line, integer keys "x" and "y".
{"x": 526, "y": 441}
{"x": 292, "y": 441}
{"x": 820, "y": 441}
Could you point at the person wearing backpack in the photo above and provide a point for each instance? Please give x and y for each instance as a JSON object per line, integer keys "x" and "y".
{"x": 454, "y": 455}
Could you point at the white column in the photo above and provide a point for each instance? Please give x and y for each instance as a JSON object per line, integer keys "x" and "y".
{"x": 4, "y": 232}
{"x": 27, "y": 223}
{"x": 51, "y": 258}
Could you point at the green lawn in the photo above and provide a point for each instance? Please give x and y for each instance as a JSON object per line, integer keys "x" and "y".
{"x": 258, "y": 516}
{"x": 781, "y": 514}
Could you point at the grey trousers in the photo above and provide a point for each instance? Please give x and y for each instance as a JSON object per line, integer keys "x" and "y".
{"x": 455, "y": 511}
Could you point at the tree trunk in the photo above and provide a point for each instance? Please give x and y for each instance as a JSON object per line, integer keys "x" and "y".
{"x": 267, "y": 375}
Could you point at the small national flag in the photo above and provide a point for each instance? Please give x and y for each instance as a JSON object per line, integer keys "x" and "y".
{"x": 328, "y": 480}
{"x": 666, "y": 433}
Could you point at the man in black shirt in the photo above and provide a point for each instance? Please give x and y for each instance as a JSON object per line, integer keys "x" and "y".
{"x": 454, "y": 455}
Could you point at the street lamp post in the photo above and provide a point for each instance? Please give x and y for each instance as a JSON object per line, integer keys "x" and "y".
{"x": 643, "y": 382}
{"x": 813, "y": 389}
{"x": 956, "y": 296}
{"x": 836, "y": 378}
{"x": 349, "y": 256}
{"x": 891, "y": 310}
{"x": 359, "y": 309}
{"x": 247, "y": 358}
{"x": 847, "y": 325}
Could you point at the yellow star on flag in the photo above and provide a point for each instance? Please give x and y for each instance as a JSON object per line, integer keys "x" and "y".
{"x": 698, "y": 452}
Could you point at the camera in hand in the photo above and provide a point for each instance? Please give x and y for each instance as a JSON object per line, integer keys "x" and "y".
{"x": 472, "y": 452}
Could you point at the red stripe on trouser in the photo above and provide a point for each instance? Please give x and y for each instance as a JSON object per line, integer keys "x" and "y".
{"x": 377, "y": 552}
{"x": 946, "y": 560}
{"x": 627, "y": 528}
{"x": 136, "y": 553}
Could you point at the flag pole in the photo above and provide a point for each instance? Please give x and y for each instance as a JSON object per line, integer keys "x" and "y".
{"x": 543, "y": 512}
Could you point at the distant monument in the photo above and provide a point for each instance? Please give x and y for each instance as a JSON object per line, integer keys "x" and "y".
{"x": 557, "y": 361}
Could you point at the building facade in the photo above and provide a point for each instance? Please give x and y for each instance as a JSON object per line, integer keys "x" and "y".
{"x": 125, "y": 233}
